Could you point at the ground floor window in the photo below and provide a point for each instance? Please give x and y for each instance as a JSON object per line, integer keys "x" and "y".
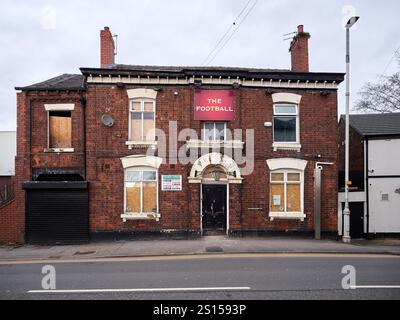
{"x": 286, "y": 192}
{"x": 141, "y": 191}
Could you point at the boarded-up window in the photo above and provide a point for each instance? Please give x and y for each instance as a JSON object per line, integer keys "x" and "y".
{"x": 142, "y": 120}
{"x": 141, "y": 190}
{"x": 286, "y": 191}
{"x": 60, "y": 129}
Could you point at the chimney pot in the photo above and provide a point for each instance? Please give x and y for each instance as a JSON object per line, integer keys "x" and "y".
{"x": 300, "y": 29}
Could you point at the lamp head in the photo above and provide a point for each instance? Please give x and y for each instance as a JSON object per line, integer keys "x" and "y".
{"x": 352, "y": 21}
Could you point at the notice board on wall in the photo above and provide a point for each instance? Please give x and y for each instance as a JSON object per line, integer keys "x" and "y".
{"x": 171, "y": 183}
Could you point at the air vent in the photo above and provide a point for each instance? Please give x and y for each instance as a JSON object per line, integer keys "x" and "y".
{"x": 385, "y": 197}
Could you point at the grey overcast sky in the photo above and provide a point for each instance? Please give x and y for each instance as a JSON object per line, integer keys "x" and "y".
{"x": 42, "y": 39}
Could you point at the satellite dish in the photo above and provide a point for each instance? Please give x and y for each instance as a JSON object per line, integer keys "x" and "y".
{"x": 107, "y": 120}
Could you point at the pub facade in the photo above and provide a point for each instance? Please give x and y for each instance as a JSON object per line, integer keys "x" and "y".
{"x": 127, "y": 151}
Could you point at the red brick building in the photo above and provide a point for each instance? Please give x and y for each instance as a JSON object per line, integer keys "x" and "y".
{"x": 90, "y": 164}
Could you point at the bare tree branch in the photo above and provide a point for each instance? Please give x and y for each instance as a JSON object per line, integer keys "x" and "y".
{"x": 383, "y": 96}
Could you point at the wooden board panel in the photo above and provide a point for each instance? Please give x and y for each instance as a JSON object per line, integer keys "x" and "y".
{"x": 277, "y": 190}
{"x": 133, "y": 198}
{"x": 293, "y": 198}
{"x": 60, "y": 132}
{"x": 149, "y": 196}
{"x": 277, "y": 177}
{"x": 136, "y": 130}
{"x": 148, "y": 129}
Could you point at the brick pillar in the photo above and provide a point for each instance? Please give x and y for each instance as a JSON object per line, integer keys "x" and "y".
{"x": 22, "y": 165}
{"x": 235, "y": 209}
{"x": 194, "y": 206}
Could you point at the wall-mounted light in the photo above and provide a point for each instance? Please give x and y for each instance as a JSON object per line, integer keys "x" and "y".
{"x": 120, "y": 85}
{"x": 198, "y": 83}
{"x": 268, "y": 124}
{"x": 236, "y": 85}
{"x": 324, "y": 93}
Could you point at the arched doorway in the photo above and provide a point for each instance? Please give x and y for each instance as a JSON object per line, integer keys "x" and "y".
{"x": 215, "y": 172}
{"x": 214, "y": 206}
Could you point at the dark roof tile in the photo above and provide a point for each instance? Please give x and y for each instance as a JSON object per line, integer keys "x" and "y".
{"x": 375, "y": 124}
{"x": 64, "y": 82}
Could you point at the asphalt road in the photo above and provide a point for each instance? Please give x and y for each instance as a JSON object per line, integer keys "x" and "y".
{"x": 207, "y": 278}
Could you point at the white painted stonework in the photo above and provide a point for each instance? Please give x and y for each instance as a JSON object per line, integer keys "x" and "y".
{"x": 287, "y": 163}
{"x": 141, "y": 161}
{"x": 142, "y": 93}
{"x": 215, "y": 159}
{"x": 60, "y": 107}
{"x": 286, "y": 97}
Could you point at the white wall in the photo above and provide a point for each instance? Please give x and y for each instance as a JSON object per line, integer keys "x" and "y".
{"x": 384, "y": 160}
{"x": 384, "y": 215}
{"x": 8, "y": 150}
{"x": 384, "y": 157}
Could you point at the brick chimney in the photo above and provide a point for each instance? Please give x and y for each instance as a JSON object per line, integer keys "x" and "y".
{"x": 107, "y": 48}
{"x": 299, "y": 50}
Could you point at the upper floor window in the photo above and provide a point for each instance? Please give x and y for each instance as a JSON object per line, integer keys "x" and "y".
{"x": 214, "y": 131}
{"x": 142, "y": 120}
{"x": 286, "y": 123}
{"x": 59, "y": 127}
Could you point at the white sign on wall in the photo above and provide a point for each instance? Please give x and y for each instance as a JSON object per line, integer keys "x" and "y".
{"x": 171, "y": 183}
{"x": 277, "y": 200}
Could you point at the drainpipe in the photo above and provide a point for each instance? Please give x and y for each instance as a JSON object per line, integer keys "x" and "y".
{"x": 366, "y": 188}
{"x": 319, "y": 166}
{"x": 83, "y": 104}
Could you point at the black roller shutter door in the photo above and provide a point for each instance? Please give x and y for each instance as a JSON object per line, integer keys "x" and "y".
{"x": 57, "y": 213}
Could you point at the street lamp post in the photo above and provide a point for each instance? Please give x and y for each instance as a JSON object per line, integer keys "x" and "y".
{"x": 346, "y": 212}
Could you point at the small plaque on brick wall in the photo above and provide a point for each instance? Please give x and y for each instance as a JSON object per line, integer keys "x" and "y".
{"x": 171, "y": 183}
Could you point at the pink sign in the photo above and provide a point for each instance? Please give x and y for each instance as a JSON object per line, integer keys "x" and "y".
{"x": 214, "y": 105}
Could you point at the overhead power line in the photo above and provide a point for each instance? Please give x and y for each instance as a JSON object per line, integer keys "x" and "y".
{"x": 391, "y": 60}
{"x": 226, "y": 33}
{"x": 229, "y": 33}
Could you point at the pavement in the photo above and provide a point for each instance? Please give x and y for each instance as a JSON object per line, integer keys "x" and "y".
{"x": 206, "y": 245}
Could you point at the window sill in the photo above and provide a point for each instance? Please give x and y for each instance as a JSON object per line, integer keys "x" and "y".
{"x": 287, "y": 215}
{"x": 131, "y": 144}
{"x": 140, "y": 216}
{"x": 233, "y": 144}
{"x": 59, "y": 150}
{"x": 286, "y": 146}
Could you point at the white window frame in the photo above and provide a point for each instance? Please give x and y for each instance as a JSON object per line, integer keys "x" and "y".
{"x": 203, "y": 134}
{"x": 297, "y": 115}
{"x": 141, "y": 215}
{"x": 287, "y": 214}
{"x": 142, "y": 111}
